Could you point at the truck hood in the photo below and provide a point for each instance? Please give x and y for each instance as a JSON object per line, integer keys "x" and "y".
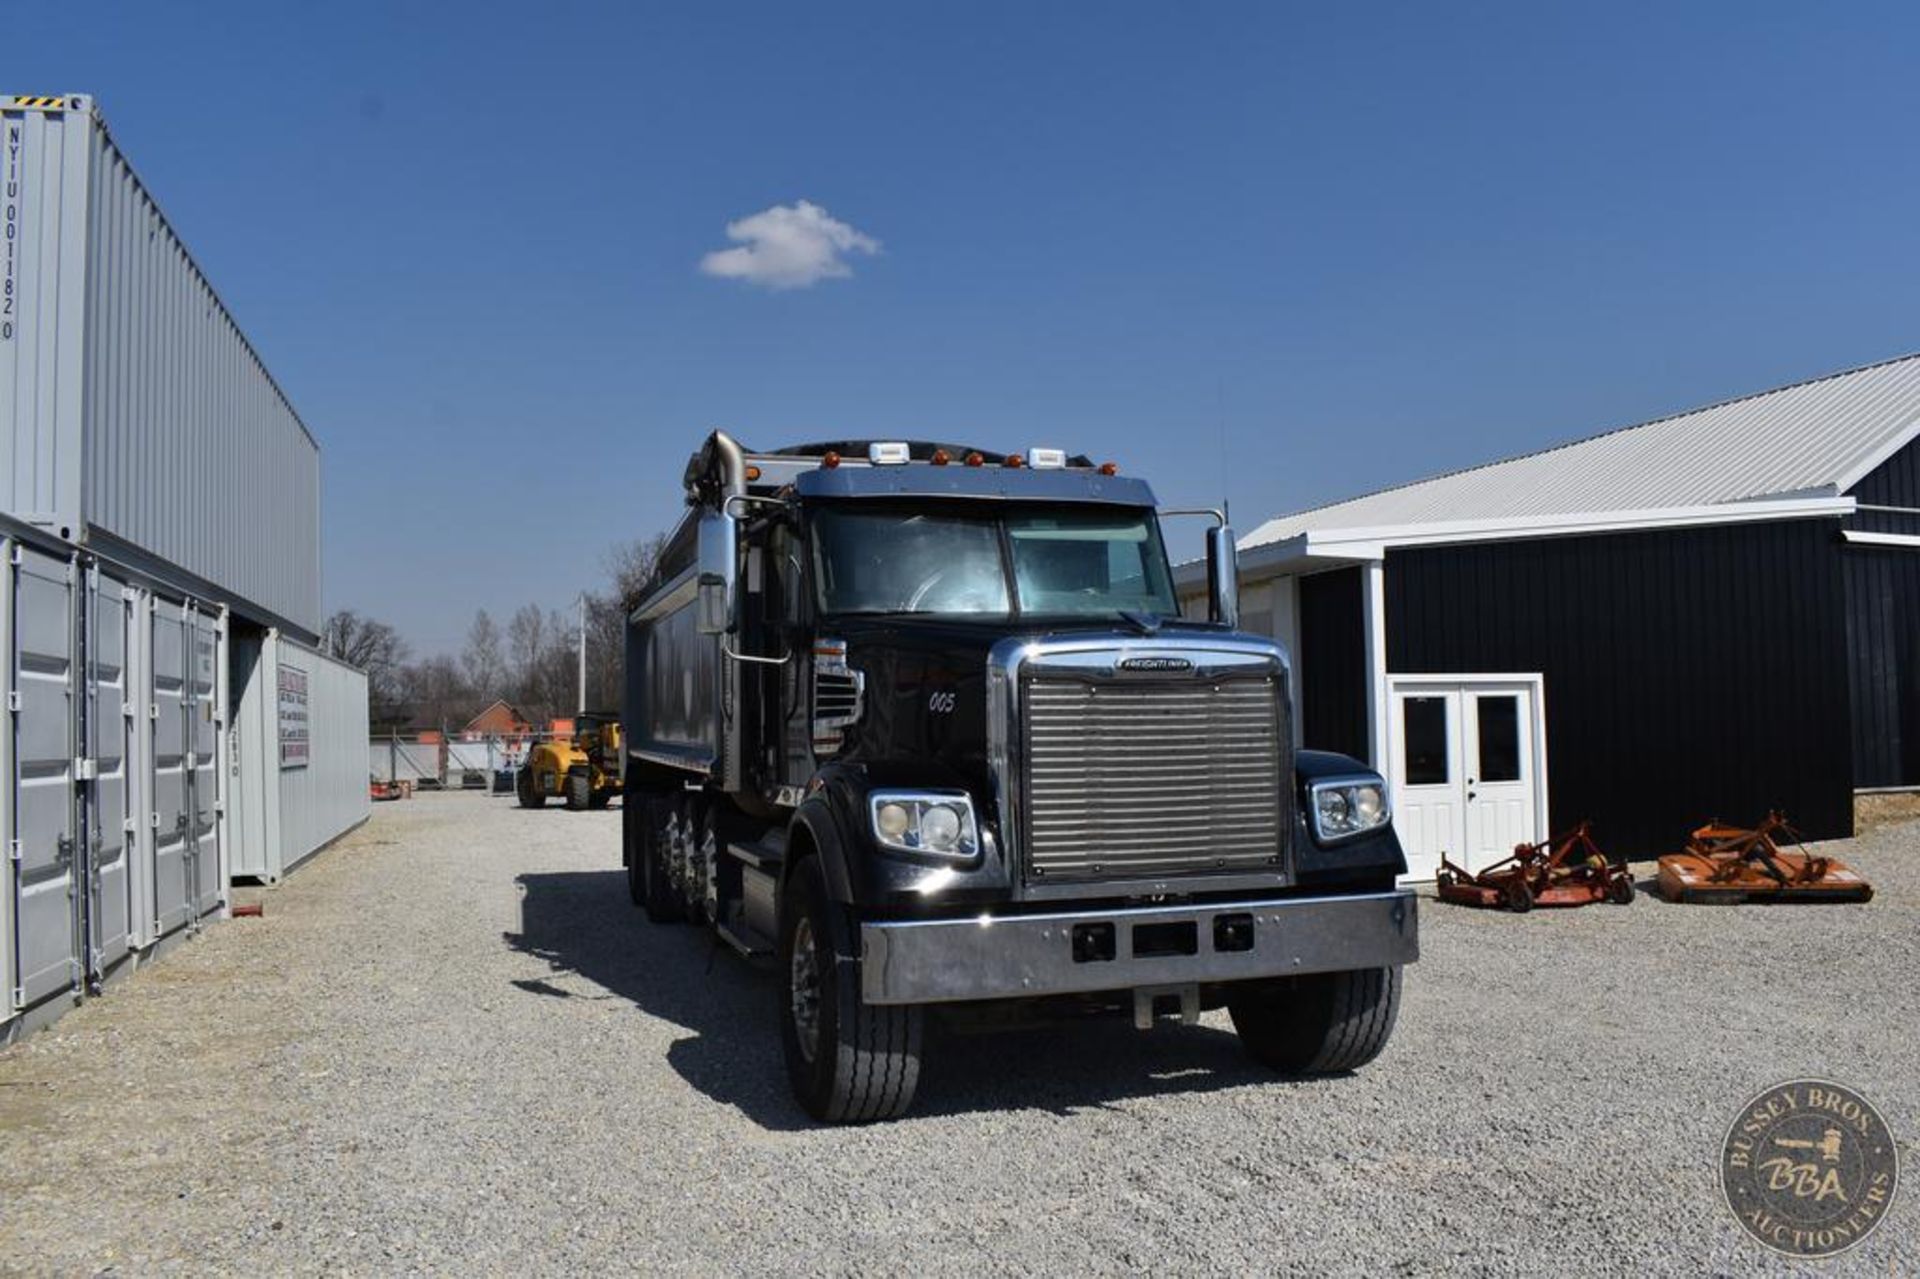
{"x": 926, "y": 698}
{"x": 926, "y": 687}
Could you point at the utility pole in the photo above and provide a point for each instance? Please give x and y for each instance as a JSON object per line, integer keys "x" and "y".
{"x": 583, "y": 652}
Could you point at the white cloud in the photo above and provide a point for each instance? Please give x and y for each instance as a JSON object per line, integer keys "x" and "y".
{"x": 789, "y": 246}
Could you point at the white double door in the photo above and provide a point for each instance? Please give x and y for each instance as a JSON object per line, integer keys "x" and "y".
{"x": 1468, "y": 758}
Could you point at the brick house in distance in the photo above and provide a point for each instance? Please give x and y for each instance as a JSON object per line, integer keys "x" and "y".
{"x": 501, "y": 719}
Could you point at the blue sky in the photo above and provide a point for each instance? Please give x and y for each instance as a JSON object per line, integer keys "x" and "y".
{"x": 1275, "y": 253}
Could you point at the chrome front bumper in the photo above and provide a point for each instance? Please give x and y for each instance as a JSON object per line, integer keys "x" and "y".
{"x": 1010, "y": 956}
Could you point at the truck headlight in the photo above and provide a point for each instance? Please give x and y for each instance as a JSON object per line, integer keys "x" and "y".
{"x": 1343, "y": 807}
{"x": 930, "y": 823}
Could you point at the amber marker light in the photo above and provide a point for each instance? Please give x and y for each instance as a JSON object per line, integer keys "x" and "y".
{"x": 941, "y": 457}
{"x": 1109, "y": 468}
{"x": 975, "y": 459}
{"x": 1014, "y": 462}
{"x": 831, "y": 460}
{"x": 753, "y": 473}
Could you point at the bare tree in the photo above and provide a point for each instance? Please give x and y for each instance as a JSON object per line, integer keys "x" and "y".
{"x": 527, "y": 643}
{"x": 533, "y": 661}
{"x": 440, "y": 694}
{"x": 606, "y": 651}
{"x": 557, "y": 676}
{"x": 629, "y": 565}
{"x": 483, "y": 659}
{"x": 375, "y": 648}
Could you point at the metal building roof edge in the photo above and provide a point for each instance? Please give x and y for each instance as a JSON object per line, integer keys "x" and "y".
{"x": 1855, "y": 472}
{"x": 1329, "y": 548}
{"x": 1877, "y": 458}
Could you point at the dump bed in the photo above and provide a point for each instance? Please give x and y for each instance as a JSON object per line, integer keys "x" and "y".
{"x": 677, "y": 681}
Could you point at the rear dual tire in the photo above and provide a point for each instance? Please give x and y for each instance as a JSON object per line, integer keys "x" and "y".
{"x": 1318, "y": 1024}
{"x": 647, "y": 881}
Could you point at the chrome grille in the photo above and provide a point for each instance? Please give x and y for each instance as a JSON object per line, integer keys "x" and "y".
{"x": 1128, "y": 778}
{"x": 838, "y": 694}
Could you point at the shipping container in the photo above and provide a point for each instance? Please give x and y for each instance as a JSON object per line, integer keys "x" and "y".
{"x": 166, "y": 726}
{"x": 299, "y": 770}
{"x": 114, "y": 688}
{"x": 134, "y": 413}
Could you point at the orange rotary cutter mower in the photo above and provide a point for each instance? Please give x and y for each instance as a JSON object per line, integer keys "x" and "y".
{"x": 1730, "y": 864}
{"x": 1568, "y": 871}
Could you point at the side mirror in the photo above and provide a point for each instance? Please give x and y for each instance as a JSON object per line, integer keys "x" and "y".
{"x": 719, "y": 571}
{"x": 1223, "y": 576}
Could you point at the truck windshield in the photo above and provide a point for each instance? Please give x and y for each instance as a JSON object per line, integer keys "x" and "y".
{"x": 1064, "y": 563}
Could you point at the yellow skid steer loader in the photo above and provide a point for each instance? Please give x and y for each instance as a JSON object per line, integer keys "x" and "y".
{"x": 583, "y": 769}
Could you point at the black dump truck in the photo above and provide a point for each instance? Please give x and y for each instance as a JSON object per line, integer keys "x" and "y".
{"x": 924, "y": 724}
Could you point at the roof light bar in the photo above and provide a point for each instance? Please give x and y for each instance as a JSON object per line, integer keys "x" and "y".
{"x": 888, "y": 453}
{"x": 1047, "y": 459}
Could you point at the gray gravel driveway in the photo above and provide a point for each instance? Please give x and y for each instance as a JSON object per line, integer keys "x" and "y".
{"x": 452, "y": 1045}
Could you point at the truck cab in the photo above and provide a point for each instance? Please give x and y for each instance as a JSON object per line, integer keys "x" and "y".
{"x": 923, "y": 724}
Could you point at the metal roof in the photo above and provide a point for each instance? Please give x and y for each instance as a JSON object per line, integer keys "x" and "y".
{"x": 1810, "y": 439}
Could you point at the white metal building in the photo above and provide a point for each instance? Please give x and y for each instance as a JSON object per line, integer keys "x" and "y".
{"x": 169, "y": 724}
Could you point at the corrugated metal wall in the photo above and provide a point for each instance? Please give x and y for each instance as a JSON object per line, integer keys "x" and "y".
{"x": 192, "y": 452}
{"x": 109, "y": 777}
{"x": 300, "y": 767}
{"x": 1883, "y": 628}
{"x": 130, "y": 402}
{"x": 1333, "y": 663}
{"x": 43, "y": 177}
{"x": 1883, "y": 642}
{"x": 1690, "y": 673}
{"x": 41, "y": 741}
{"x": 327, "y": 797}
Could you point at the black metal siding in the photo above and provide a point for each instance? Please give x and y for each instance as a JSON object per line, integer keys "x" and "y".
{"x": 1895, "y": 482}
{"x": 1333, "y": 663}
{"x": 1690, "y": 673}
{"x": 1883, "y": 628}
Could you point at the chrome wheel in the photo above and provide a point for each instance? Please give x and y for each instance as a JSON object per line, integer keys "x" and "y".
{"x": 706, "y": 862}
{"x": 803, "y": 990}
{"x": 675, "y": 864}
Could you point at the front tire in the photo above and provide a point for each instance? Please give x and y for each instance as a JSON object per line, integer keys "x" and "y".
{"x": 849, "y": 1061}
{"x": 1318, "y": 1024}
{"x": 529, "y": 793}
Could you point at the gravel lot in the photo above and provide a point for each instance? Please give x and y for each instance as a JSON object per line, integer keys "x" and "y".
{"x": 451, "y": 1044}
